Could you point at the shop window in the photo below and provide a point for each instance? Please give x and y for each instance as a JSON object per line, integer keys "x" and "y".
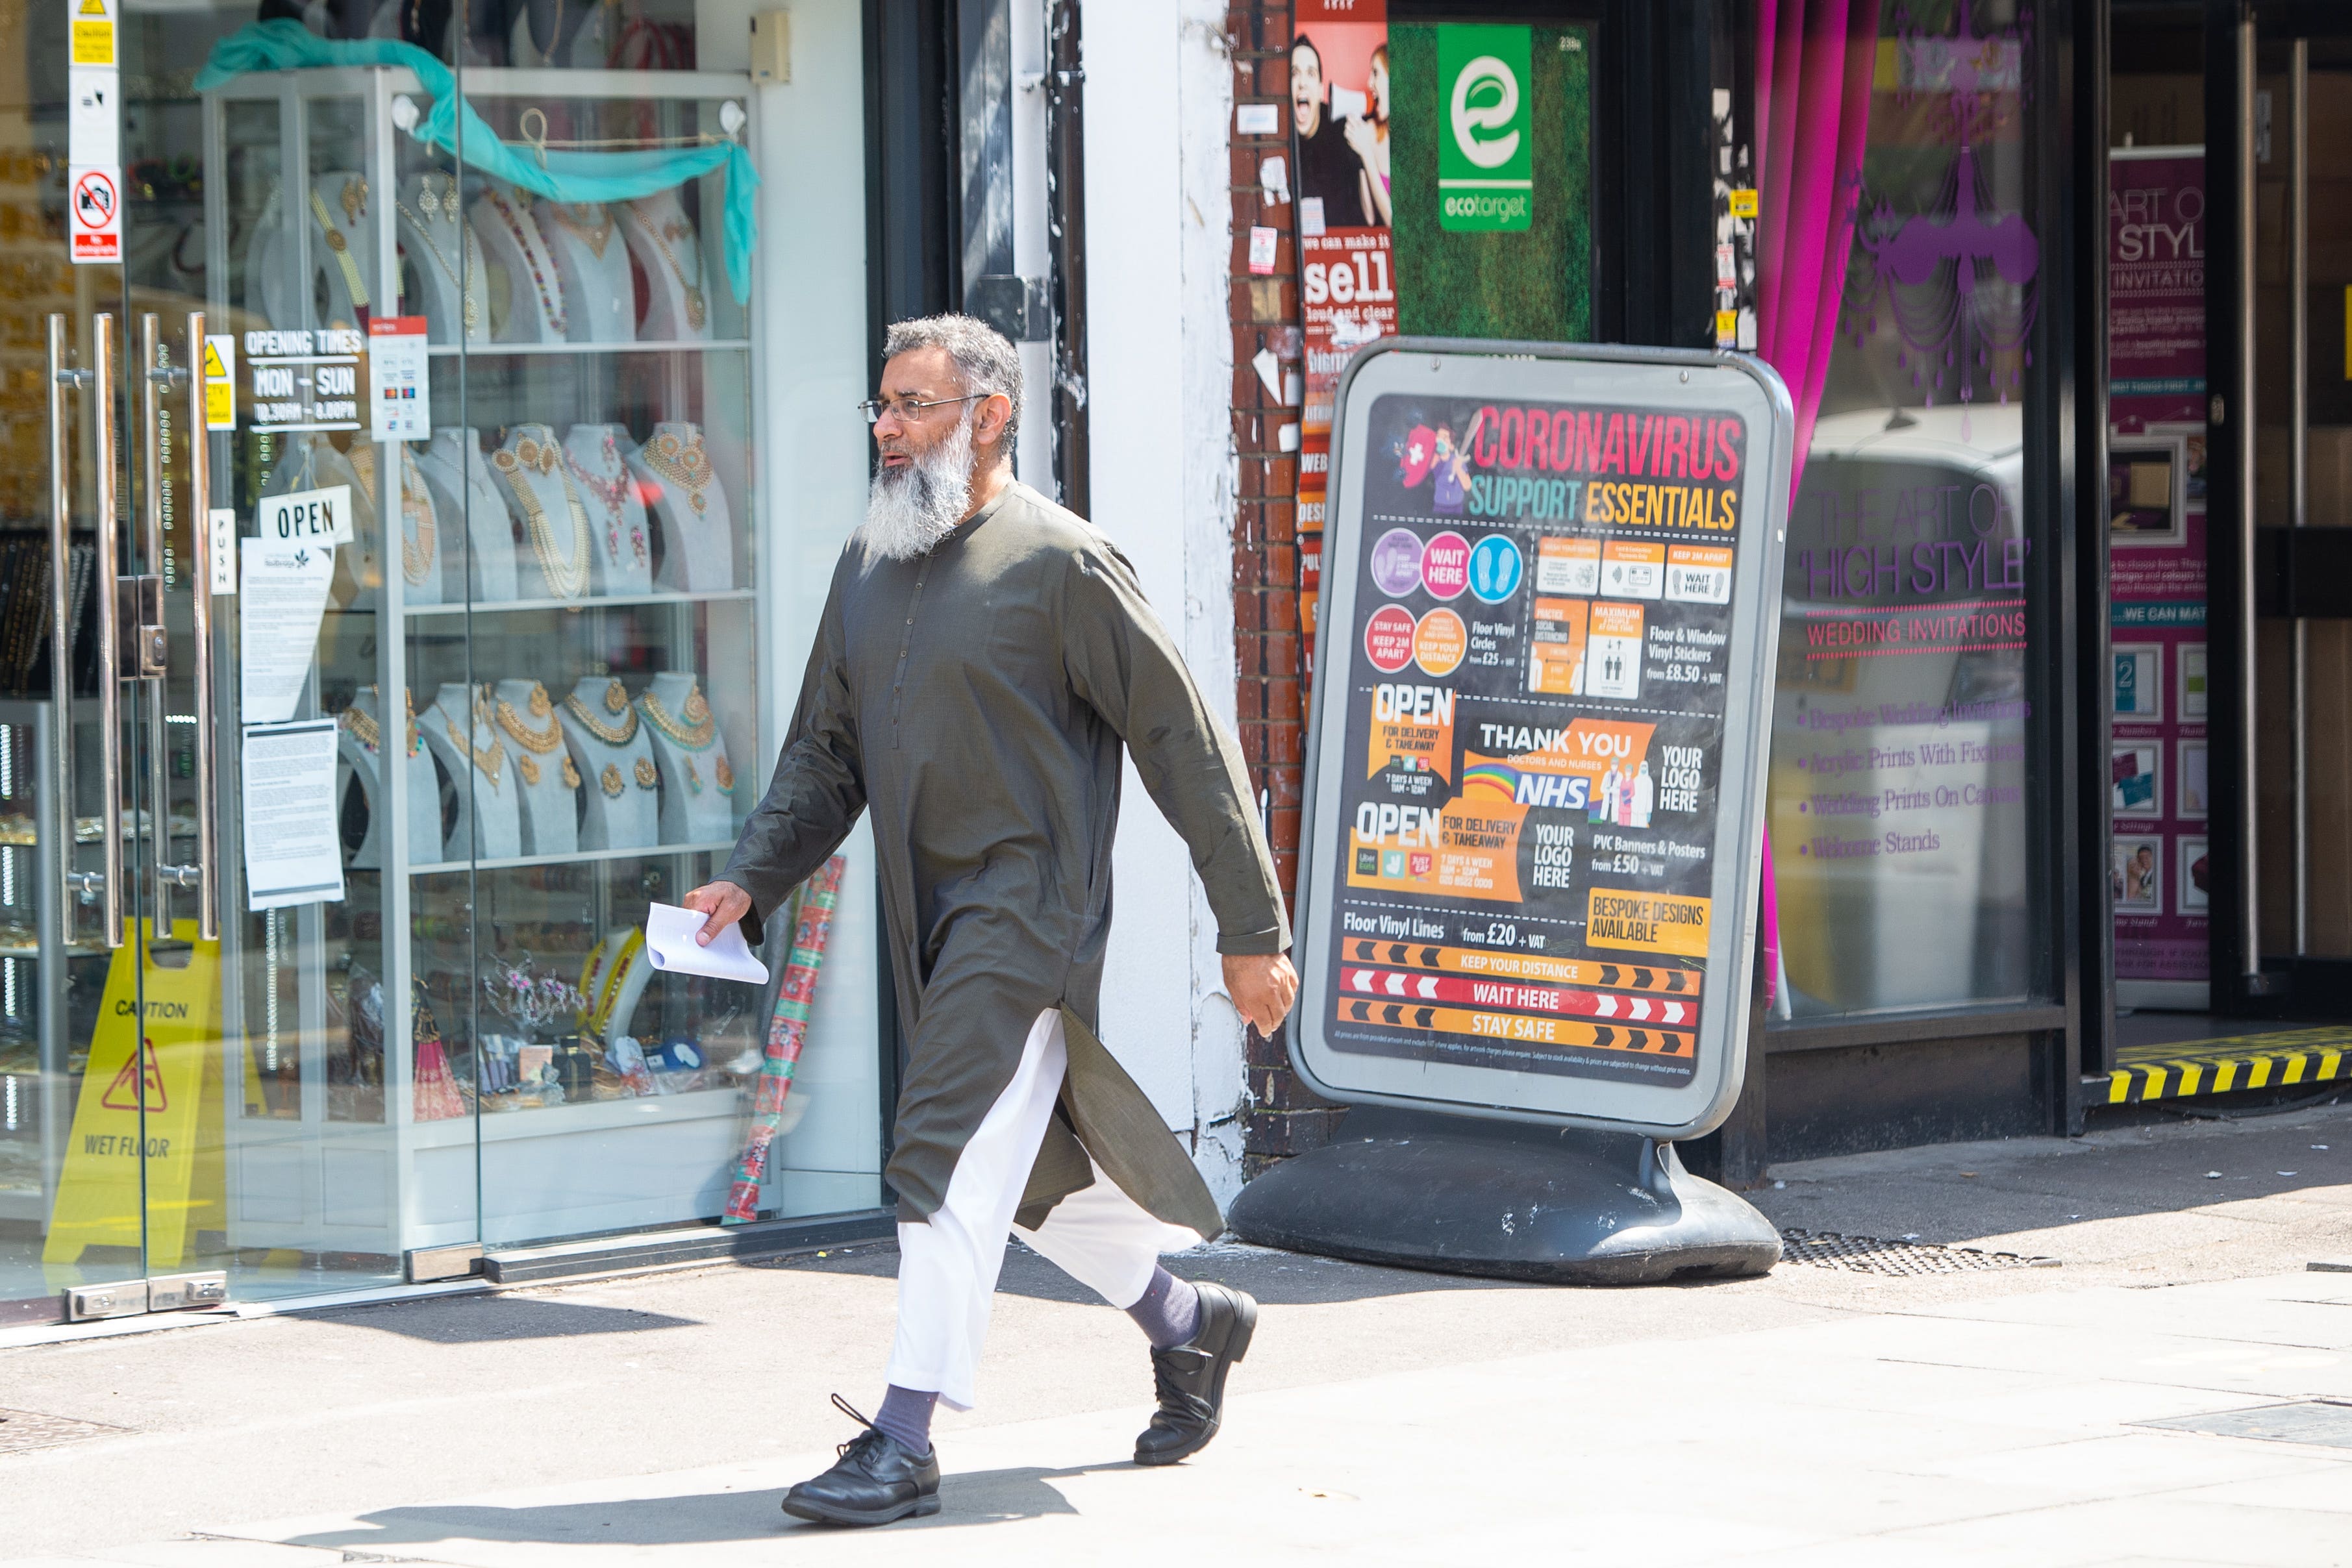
{"x": 1901, "y": 818}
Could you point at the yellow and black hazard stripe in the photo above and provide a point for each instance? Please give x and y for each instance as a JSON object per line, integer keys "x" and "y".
{"x": 2289, "y": 1059}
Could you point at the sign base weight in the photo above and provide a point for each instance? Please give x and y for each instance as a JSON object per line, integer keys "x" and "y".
{"x": 1563, "y": 1206}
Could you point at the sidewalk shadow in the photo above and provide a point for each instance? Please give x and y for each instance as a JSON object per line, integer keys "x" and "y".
{"x": 710, "y": 1519}
{"x": 484, "y": 1320}
{"x": 1277, "y": 1279}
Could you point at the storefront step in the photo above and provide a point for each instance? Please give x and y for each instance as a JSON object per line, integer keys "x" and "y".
{"x": 2285, "y": 1060}
{"x": 684, "y": 1244}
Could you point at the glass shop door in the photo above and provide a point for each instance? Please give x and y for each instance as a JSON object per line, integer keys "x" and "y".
{"x": 111, "y": 1089}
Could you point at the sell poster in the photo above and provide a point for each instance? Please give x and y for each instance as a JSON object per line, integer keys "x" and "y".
{"x": 2156, "y": 535}
{"x": 1534, "y": 735}
{"x": 1346, "y": 274}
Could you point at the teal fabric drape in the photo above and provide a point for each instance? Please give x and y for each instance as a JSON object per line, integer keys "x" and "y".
{"x": 568, "y": 176}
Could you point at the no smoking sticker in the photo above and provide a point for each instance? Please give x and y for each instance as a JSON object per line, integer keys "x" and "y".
{"x": 94, "y": 215}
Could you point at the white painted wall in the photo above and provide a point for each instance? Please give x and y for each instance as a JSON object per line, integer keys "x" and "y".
{"x": 1159, "y": 94}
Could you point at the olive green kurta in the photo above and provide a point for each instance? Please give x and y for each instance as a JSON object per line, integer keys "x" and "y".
{"x": 975, "y": 700}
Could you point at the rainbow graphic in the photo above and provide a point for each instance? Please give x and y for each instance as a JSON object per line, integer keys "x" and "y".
{"x": 1497, "y": 780}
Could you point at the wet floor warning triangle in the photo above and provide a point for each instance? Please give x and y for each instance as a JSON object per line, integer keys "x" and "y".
{"x": 122, "y": 1095}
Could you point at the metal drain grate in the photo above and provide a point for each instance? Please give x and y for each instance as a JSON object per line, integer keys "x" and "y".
{"x": 1869, "y": 1255}
{"x": 22, "y": 1429}
{"x": 2326, "y": 1422}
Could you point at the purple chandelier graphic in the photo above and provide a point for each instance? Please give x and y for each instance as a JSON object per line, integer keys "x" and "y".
{"x": 1955, "y": 283}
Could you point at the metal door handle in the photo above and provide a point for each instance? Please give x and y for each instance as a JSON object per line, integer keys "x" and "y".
{"x": 200, "y": 498}
{"x": 109, "y": 629}
{"x": 149, "y": 659}
{"x": 64, "y": 382}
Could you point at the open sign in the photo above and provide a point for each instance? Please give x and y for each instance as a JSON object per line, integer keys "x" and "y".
{"x": 308, "y": 517}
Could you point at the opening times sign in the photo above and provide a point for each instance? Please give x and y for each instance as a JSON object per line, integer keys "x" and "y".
{"x": 1536, "y": 793}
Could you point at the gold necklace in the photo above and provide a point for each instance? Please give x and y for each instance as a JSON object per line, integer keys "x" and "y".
{"x": 363, "y": 729}
{"x": 568, "y": 579}
{"x": 370, "y": 734}
{"x": 675, "y": 228}
{"x": 429, "y": 198}
{"x": 619, "y": 734}
{"x": 338, "y": 246}
{"x": 490, "y": 760}
{"x": 416, "y": 506}
{"x": 595, "y": 239}
{"x": 541, "y": 741}
{"x": 683, "y": 461}
{"x": 694, "y": 734}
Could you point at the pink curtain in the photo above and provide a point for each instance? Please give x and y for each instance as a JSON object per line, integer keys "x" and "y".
{"x": 1814, "y": 62}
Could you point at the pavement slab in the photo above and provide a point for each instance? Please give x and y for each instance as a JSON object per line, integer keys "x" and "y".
{"x": 1813, "y": 1415}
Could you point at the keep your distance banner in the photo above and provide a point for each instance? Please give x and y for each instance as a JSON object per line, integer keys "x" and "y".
{"x": 1535, "y": 799}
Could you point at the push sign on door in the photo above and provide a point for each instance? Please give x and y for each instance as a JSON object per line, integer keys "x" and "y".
{"x": 309, "y": 517}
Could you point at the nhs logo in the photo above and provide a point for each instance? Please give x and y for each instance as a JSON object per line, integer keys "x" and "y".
{"x": 1566, "y": 792}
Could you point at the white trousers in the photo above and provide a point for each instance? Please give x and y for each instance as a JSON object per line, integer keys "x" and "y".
{"x": 947, "y": 1268}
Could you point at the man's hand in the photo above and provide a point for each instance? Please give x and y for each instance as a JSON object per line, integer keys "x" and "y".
{"x": 722, "y": 903}
{"x": 1263, "y": 986}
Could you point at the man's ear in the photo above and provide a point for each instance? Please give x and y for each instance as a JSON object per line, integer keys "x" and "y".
{"x": 995, "y": 413}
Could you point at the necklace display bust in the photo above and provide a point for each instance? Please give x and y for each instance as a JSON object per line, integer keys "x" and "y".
{"x": 558, "y": 557}
{"x": 270, "y": 282}
{"x": 445, "y": 257}
{"x": 462, "y": 485}
{"x": 619, "y": 788}
{"x": 534, "y": 295}
{"x": 591, "y": 264}
{"x": 359, "y": 740}
{"x": 661, "y": 238}
{"x": 546, "y": 780}
{"x": 618, "y": 525}
{"x": 617, "y": 982}
{"x": 698, "y": 804}
{"x": 343, "y": 245}
{"x": 684, "y": 497}
{"x": 421, "y": 556}
{"x": 458, "y": 729}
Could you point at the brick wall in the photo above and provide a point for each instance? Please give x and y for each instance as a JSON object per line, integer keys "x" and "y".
{"x": 1284, "y": 1118}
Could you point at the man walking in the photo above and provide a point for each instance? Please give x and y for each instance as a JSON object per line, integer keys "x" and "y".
{"x": 982, "y": 655}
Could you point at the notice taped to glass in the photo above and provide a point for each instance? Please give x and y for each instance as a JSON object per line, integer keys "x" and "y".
{"x": 1535, "y": 794}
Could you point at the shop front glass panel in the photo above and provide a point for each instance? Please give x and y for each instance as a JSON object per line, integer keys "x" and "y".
{"x": 1899, "y": 816}
{"x": 614, "y": 640}
{"x": 483, "y": 684}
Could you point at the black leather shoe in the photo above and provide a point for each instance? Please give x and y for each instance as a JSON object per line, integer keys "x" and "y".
{"x": 878, "y": 1480}
{"x": 1190, "y": 1378}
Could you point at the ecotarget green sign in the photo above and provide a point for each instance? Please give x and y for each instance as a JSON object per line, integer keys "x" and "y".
{"x": 1485, "y": 159}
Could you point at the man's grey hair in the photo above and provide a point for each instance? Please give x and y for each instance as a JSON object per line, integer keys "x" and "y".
{"x": 986, "y": 362}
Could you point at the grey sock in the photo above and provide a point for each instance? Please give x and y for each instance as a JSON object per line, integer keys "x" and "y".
{"x": 1170, "y": 1311}
{"x": 906, "y": 1414}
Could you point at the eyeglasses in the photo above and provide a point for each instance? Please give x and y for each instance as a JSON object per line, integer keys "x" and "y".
{"x": 907, "y": 407}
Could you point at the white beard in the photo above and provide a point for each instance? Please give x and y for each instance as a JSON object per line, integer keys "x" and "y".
{"x": 910, "y": 510}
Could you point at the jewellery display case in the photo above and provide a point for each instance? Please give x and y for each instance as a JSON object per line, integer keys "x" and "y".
{"x": 569, "y": 626}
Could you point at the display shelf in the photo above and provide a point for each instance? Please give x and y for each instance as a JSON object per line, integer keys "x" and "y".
{"x": 586, "y": 601}
{"x": 594, "y": 1115}
{"x": 552, "y": 351}
{"x": 517, "y": 862}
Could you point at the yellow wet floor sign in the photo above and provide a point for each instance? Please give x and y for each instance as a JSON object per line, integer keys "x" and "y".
{"x": 173, "y": 1066}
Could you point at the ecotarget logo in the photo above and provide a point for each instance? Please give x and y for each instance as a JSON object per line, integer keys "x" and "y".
{"x": 1486, "y": 162}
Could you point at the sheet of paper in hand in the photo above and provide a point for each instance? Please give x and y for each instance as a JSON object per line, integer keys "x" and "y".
{"x": 669, "y": 942}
